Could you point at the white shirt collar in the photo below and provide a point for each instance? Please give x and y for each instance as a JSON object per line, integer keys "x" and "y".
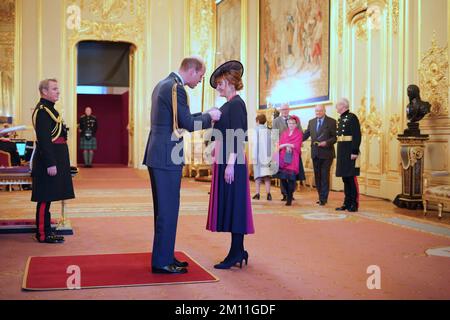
{"x": 180, "y": 77}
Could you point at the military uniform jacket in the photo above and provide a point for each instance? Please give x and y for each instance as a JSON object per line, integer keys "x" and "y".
{"x": 88, "y": 122}
{"x": 327, "y": 132}
{"x": 349, "y": 140}
{"x": 50, "y": 130}
{"x": 163, "y": 150}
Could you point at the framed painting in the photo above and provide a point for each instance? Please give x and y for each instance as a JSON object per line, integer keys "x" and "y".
{"x": 294, "y": 52}
{"x": 228, "y": 31}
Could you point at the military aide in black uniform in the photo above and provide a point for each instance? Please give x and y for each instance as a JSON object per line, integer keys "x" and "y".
{"x": 88, "y": 142}
{"x": 348, "y": 142}
{"x": 52, "y": 180}
{"x": 164, "y": 157}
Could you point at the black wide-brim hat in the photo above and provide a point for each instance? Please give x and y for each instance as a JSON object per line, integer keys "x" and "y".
{"x": 225, "y": 67}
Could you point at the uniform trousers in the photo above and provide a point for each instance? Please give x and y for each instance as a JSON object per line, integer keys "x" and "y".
{"x": 351, "y": 191}
{"x": 43, "y": 224}
{"x": 166, "y": 204}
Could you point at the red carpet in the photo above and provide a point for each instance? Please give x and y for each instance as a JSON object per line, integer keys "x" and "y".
{"x": 108, "y": 270}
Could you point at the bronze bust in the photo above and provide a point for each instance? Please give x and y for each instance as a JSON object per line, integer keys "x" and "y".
{"x": 415, "y": 111}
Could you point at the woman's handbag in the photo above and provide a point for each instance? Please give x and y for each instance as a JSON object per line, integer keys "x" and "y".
{"x": 288, "y": 157}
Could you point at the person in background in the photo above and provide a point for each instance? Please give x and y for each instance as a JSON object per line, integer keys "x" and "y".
{"x": 280, "y": 124}
{"x": 322, "y": 130}
{"x": 290, "y": 153}
{"x": 88, "y": 142}
{"x": 262, "y": 154}
{"x": 347, "y": 166}
{"x": 10, "y": 147}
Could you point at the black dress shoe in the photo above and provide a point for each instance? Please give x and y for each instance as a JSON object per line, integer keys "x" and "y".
{"x": 52, "y": 239}
{"x": 180, "y": 264}
{"x": 322, "y": 203}
{"x": 169, "y": 269}
{"x": 353, "y": 208}
{"x": 343, "y": 208}
{"x": 284, "y": 198}
{"x": 54, "y": 235}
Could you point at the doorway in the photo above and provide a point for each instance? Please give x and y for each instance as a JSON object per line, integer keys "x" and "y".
{"x": 103, "y": 84}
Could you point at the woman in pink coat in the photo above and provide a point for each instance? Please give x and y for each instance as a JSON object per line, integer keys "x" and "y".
{"x": 290, "y": 149}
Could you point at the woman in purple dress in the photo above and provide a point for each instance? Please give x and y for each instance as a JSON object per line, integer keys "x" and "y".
{"x": 229, "y": 203}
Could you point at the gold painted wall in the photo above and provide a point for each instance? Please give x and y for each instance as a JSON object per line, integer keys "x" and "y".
{"x": 48, "y": 32}
{"x": 378, "y": 48}
{"x": 7, "y": 36}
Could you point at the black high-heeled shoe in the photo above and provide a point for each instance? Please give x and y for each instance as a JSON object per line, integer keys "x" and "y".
{"x": 269, "y": 197}
{"x": 245, "y": 257}
{"x": 229, "y": 262}
{"x": 256, "y": 196}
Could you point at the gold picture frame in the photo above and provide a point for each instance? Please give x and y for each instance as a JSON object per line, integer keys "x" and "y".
{"x": 228, "y": 31}
{"x": 294, "y": 60}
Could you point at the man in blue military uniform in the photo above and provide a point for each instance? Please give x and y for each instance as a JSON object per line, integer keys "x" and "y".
{"x": 348, "y": 142}
{"x": 169, "y": 116}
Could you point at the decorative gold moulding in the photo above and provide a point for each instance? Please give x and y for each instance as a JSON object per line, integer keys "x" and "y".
{"x": 99, "y": 21}
{"x": 355, "y": 8}
{"x": 371, "y": 124}
{"x": 394, "y": 125}
{"x": 433, "y": 79}
{"x": 407, "y": 141}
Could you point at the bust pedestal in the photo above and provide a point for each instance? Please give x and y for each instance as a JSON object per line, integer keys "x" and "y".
{"x": 412, "y": 152}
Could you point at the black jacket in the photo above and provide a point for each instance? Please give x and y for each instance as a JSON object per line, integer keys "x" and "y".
{"x": 48, "y": 153}
{"x": 88, "y": 123}
{"x": 327, "y": 132}
{"x": 349, "y": 141}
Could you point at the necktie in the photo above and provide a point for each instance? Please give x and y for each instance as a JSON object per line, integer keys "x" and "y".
{"x": 319, "y": 124}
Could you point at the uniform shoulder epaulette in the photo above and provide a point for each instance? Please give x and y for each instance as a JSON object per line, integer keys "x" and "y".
{"x": 178, "y": 81}
{"x": 177, "y": 131}
{"x": 58, "y": 126}
{"x": 83, "y": 115}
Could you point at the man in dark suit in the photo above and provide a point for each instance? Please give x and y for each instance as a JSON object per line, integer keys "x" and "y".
{"x": 170, "y": 114}
{"x": 347, "y": 167}
{"x": 322, "y": 131}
